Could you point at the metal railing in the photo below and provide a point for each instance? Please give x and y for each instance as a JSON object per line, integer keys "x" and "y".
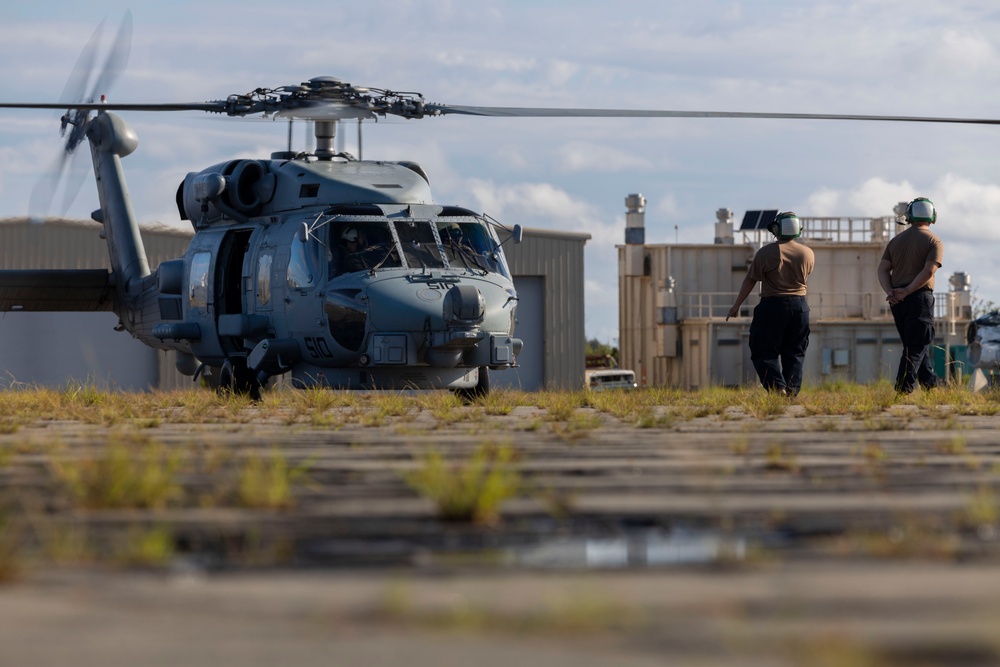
{"x": 836, "y": 230}
{"x": 864, "y": 306}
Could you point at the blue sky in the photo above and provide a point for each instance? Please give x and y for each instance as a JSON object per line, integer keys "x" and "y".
{"x": 894, "y": 57}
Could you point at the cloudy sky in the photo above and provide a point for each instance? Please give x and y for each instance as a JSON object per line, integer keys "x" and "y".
{"x": 912, "y": 57}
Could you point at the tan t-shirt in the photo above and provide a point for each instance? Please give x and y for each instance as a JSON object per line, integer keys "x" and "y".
{"x": 909, "y": 250}
{"x": 782, "y": 268}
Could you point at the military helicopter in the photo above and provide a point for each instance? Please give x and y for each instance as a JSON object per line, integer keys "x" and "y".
{"x": 342, "y": 272}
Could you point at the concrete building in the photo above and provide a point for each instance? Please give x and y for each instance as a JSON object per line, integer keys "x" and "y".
{"x": 673, "y": 301}
{"x": 53, "y": 349}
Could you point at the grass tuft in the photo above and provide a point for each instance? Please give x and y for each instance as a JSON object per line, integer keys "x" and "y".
{"x": 124, "y": 474}
{"x": 268, "y": 482}
{"x": 471, "y": 490}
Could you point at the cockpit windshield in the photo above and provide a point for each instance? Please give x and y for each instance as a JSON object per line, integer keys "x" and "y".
{"x": 361, "y": 246}
{"x": 419, "y": 245}
{"x": 367, "y": 244}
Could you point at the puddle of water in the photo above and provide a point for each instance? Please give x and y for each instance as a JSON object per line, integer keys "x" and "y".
{"x": 652, "y": 549}
{"x": 635, "y": 549}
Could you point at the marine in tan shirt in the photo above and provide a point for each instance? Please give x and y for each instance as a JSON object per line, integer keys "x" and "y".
{"x": 906, "y": 274}
{"x": 779, "y": 331}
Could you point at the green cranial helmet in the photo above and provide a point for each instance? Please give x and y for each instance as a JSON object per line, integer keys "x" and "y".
{"x": 921, "y": 209}
{"x": 786, "y": 226}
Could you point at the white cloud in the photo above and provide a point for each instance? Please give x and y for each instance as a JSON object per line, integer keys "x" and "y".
{"x": 873, "y": 198}
{"x": 581, "y": 155}
{"x": 964, "y": 52}
{"x": 559, "y": 72}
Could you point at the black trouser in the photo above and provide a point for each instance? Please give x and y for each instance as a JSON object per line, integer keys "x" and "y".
{"x": 914, "y": 318}
{"x": 779, "y": 336}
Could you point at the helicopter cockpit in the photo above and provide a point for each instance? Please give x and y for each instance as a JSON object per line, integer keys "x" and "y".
{"x": 356, "y": 244}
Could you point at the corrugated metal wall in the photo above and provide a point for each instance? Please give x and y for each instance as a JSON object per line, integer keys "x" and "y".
{"x": 558, "y": 258}
{"x": 76, "y": 244}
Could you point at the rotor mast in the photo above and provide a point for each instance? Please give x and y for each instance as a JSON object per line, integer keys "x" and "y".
{"x": 326, "y": 135}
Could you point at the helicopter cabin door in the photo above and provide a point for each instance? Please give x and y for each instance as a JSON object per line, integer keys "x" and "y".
{"x": 230, "y": 287}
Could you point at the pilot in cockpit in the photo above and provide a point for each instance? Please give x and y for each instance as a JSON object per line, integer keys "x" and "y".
{"x": 348, "y": 254}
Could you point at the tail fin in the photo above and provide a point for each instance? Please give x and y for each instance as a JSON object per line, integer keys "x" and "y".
{"x": 110, "y": 140}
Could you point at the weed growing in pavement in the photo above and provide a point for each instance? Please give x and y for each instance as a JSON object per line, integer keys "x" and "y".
{"x": 561, "y": 405}
{"x": 10, "y": 547}
{"x": 445, "y": 406}
{"x": 268, "y": 482}
{"x": 982, "y": 509}
{"x": 128, "y": 472}
{"x": 763, "y": 404}
{"x": 579, "y": 425}
{"x": 145, "y": 547}
{"x": 325, "y": 408}
{"x": 712, "y": 400}
{"x": 886, "y": 423}
{"x": 957, "y": 446}
{"x": 842, "y": 398}
{"x": 778, "y": 457}
{"x": 469, "y": 490}
{"x": 503, "y": 401}
{"x": 740, "y": 446}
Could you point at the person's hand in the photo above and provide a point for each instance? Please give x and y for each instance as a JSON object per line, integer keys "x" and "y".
{"x": 733, "y": 312}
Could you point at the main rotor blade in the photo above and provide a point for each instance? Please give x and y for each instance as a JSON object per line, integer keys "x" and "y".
{"x": 114, "y": 106}
{"x": 542, "y": 112}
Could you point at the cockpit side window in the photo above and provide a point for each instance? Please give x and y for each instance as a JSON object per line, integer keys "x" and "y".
{"x": 469, "y": 245}
{"x": 303, "y": 263}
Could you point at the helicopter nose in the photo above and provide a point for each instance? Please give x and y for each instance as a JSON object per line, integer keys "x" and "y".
{"x": 464, "y": 305}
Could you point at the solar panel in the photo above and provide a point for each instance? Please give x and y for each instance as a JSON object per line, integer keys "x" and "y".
{"x": 750, "y": 219}
{"x": 766, "y": 218}
{"x": 758, "y": 219}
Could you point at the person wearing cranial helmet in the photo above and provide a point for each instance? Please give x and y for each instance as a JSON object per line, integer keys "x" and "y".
{"x": 779, "y": 330}
{"x": 906, "y": 275}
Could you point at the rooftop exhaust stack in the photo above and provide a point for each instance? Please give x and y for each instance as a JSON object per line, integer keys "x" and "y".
{"x": 724, "y": 227}
{"x": 635, "y": 219}
{"x": 635, "y": 234}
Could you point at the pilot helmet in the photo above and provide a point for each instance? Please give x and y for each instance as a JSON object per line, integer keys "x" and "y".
{"x": 350, "y": 234}
{"x": 452, "y": 230}
{"x": 786, "y": 226}
{"x": 921, "y": 209}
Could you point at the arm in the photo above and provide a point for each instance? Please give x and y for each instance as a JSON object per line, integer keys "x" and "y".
{"x": 885, "y": 276}
{"x": 745, "y": 290}
{"x": 921, "y": 279}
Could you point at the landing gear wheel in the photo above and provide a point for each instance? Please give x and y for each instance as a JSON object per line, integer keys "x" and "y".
{"x": 236, "y": 378}
{"x": 481, "y": 389}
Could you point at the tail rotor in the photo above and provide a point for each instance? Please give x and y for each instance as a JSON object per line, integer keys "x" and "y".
{"x": 70, "y": 169}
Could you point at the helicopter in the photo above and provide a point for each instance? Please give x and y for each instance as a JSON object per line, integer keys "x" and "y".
{"x": 340, "y": 272}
